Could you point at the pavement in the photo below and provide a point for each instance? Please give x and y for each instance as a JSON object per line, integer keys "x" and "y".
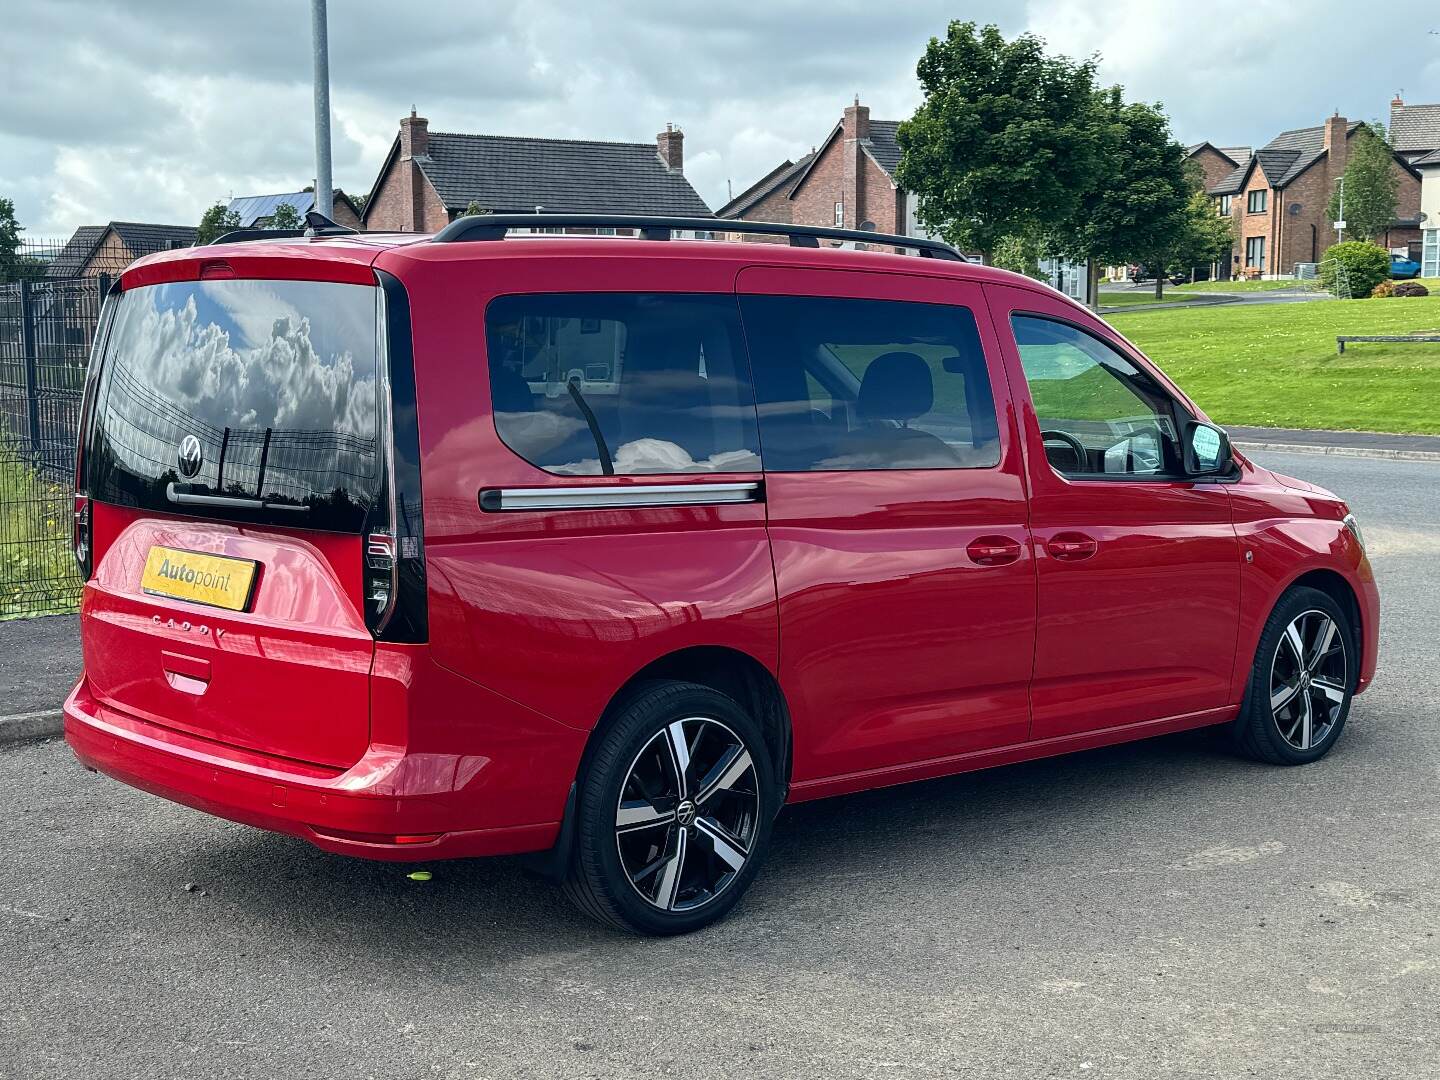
{"x": 1156, "y": 909}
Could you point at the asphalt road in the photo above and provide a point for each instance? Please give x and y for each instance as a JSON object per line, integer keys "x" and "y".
{"x": 1159, "y": 909}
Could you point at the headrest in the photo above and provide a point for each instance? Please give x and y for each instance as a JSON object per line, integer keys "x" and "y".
{"x": 896, "y": 386}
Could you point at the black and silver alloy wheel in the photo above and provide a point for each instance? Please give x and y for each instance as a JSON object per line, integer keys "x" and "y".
{"x": 1308, "y": 679}
{"x": 1301, "y": 682}
{"x": 673, "y": 810}
{"x": 687, "y": 814}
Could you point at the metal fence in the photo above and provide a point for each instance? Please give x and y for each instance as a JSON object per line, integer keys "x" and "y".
{"x": 49, "y": 308}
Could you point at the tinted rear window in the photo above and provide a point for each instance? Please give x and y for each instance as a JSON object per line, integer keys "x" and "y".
{"x": 276, "y": 382}
{"x": 588, "y": 384}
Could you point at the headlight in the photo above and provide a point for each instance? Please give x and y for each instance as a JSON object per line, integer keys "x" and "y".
{"x": 1354, "y": 527}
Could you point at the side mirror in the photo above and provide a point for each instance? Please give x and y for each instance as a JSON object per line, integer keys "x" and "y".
{"x": 1207, "y": 450}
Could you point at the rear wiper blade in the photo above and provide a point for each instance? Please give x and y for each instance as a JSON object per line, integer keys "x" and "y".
{"x": 185, "y": 495}
{"x": 607, "y": 466}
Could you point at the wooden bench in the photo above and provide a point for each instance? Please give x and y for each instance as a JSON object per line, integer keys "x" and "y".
{"x": 1341, "y": 342}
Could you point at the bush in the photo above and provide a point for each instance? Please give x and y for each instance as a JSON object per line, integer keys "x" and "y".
{"x": 1366, "y": 265}
{"x": 1409, "y": 288}
{"x": 1384, "y": 289}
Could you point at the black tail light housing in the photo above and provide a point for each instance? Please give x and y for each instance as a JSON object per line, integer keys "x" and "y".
{"x": 80, "y": 539}
{"x": 396, "y": 608}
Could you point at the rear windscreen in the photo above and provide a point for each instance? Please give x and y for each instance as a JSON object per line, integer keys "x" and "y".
{"x": 255, "y": 400}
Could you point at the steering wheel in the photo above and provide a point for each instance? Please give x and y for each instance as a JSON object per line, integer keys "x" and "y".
{"x": 1082, "y": 458}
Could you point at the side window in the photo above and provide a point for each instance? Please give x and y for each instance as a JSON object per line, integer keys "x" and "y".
{"x": 1099, "y": 413}
{"x": 857, "y": 385}
{"x": 590, "y": 384}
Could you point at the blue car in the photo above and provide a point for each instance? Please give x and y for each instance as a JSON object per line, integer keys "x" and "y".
{"x": 1401, "y": 267}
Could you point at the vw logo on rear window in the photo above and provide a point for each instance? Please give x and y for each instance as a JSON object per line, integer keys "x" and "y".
{"x": 191, "y": 457}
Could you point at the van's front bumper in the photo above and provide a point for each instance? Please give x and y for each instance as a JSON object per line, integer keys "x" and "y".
{"x": 390, "y": 805}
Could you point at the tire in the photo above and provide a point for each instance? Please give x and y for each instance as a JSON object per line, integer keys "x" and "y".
{"x": 662, "y": 847}
{"x": 1298, "y": 697}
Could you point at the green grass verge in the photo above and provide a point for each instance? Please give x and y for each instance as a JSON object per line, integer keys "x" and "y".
{"x": 1276, "y": 365}
{"x": 37, "y": 571}
{"x": 1244, "y": 286}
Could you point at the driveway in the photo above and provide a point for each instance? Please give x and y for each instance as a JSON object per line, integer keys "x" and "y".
{"x": 1155, "y": 910}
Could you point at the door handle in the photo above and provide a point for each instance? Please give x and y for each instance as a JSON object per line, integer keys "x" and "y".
{"x": 1071, "y": 546}
{"x": 993, "y": 550}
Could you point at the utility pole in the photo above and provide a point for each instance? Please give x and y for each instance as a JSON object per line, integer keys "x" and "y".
{"x": 1340, "y": 225}
{"x": 320, "y": 41}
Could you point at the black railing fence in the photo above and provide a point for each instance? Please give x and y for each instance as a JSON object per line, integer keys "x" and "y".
{"x": 50, "y": 302}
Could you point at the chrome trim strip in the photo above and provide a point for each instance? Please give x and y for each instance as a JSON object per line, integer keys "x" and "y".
{"x": 618, "y": 496}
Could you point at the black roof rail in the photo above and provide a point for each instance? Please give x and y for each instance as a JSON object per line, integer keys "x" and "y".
{"x": 240, "y": 236}
{"x": 495, "y": 226}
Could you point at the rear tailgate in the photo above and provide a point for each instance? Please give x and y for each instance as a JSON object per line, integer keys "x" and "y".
{"x": 235, "y": 470}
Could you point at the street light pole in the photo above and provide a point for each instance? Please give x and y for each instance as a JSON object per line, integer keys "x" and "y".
{"x": 320, "y": 41}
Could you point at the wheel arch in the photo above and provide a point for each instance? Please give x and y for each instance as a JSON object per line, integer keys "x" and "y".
{"x": 1336, "y": 586}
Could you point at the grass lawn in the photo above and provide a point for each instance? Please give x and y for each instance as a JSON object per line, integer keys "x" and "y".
{"x": 37, "y": 571}
{"x": 1276, "y": 366}
{"x": 1243, "y": 286}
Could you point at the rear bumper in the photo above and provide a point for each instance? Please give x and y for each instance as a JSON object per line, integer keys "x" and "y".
{"x": 358, "y": 811}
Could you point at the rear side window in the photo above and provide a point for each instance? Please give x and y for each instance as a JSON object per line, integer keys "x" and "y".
{"x": 591, "y": 384}
{"x": 258, "y": 396}
{"x": 857, "y": 385}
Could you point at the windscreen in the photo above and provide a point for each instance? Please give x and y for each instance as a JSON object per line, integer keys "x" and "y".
{"x": 250, "y": 400}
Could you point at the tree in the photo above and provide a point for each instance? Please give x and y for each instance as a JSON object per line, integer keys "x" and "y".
{"x": 10, "y": 230}
{"x": 475, "y": 208}
{"x": 359, "y": 201}
{"x": 1371, "y": 187}
{"x": 1364, "y": 266}
{"x": 216, "y": 222}
{"x": 1136, "y": 213}
{"x": 1206, "y": 238}
{"x": 1001, "y": 145}
{"x": 285, "y": 217}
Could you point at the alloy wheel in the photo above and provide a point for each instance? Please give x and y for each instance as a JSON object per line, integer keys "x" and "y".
{"x": 1308, "y": 679}
{"x": 687, "y": 814}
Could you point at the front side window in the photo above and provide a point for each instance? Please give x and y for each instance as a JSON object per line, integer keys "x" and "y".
{"x": 858, "y": 385}
{"x": 1257, "y": 201}
{"x": 599, "y": 384}
{"x": 1100, "y": 415}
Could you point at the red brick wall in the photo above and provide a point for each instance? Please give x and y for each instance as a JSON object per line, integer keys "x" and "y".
{"x": 402, "y": 193}
{"x": 1214, "y": 166}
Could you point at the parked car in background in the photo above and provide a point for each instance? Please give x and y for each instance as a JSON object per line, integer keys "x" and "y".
{"x": 1401, "y": 267}
{"x": 605, "y": 550}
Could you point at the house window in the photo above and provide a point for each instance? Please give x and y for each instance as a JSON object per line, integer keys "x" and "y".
{"x": 1430, "y": 256}
{"x": 839, "y": 215}
{"x": 1255, "y": 253}
{"x": 1257, "y": 201}
{"x": 1225, "y": 205}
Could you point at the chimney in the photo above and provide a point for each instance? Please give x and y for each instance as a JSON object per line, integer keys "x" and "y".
{"x": 1397, "y": 106}
{"x": 414, "y": 136}
{"x": 671, "y": 144}
{"x": 857, "y": 121}
{"x": 1336, "y": 143}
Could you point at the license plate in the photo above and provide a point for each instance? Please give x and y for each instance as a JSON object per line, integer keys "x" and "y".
{"x": 217, "y": 580}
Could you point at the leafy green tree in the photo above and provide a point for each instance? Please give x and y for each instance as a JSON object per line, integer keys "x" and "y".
{"x": 1021, "y": 254}
{"x": 1365, "y": 265}
{"x": 285, "y": 217}
{"x": 10, "y": 230}
{"x": 475, "y": 208}
{"x": 1206, "y": 238}
{"x": 1372, "y": 188}
{"x": 1002, "y": 144}
{"x": 1136, "y": 212}
{"x": 215, "y": 222}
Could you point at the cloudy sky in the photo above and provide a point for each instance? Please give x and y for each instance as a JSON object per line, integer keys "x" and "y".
{"x": 150, "y": 110}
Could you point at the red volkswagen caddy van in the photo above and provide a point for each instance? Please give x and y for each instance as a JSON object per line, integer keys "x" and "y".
{"x": 605, "y": 548}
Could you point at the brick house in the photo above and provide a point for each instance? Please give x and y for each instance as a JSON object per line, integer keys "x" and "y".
{"x": 430, "y": 178}
{"x": 1415, "y": 134}
{"x": 1216, "y": 162}
{"x": 256, "y": 211}
{"x": 847, "y": 182}
{"x": 108, "y": 249}
{"x": 1279, "y": 198}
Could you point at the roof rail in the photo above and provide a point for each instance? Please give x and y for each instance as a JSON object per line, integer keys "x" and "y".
{"x": 495, "y": 226}
{"x": 240, "y": 236}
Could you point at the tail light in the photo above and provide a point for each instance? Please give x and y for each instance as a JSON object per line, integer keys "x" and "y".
{"x": 379, "y": 576}
{"x": 80, "y": 536}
